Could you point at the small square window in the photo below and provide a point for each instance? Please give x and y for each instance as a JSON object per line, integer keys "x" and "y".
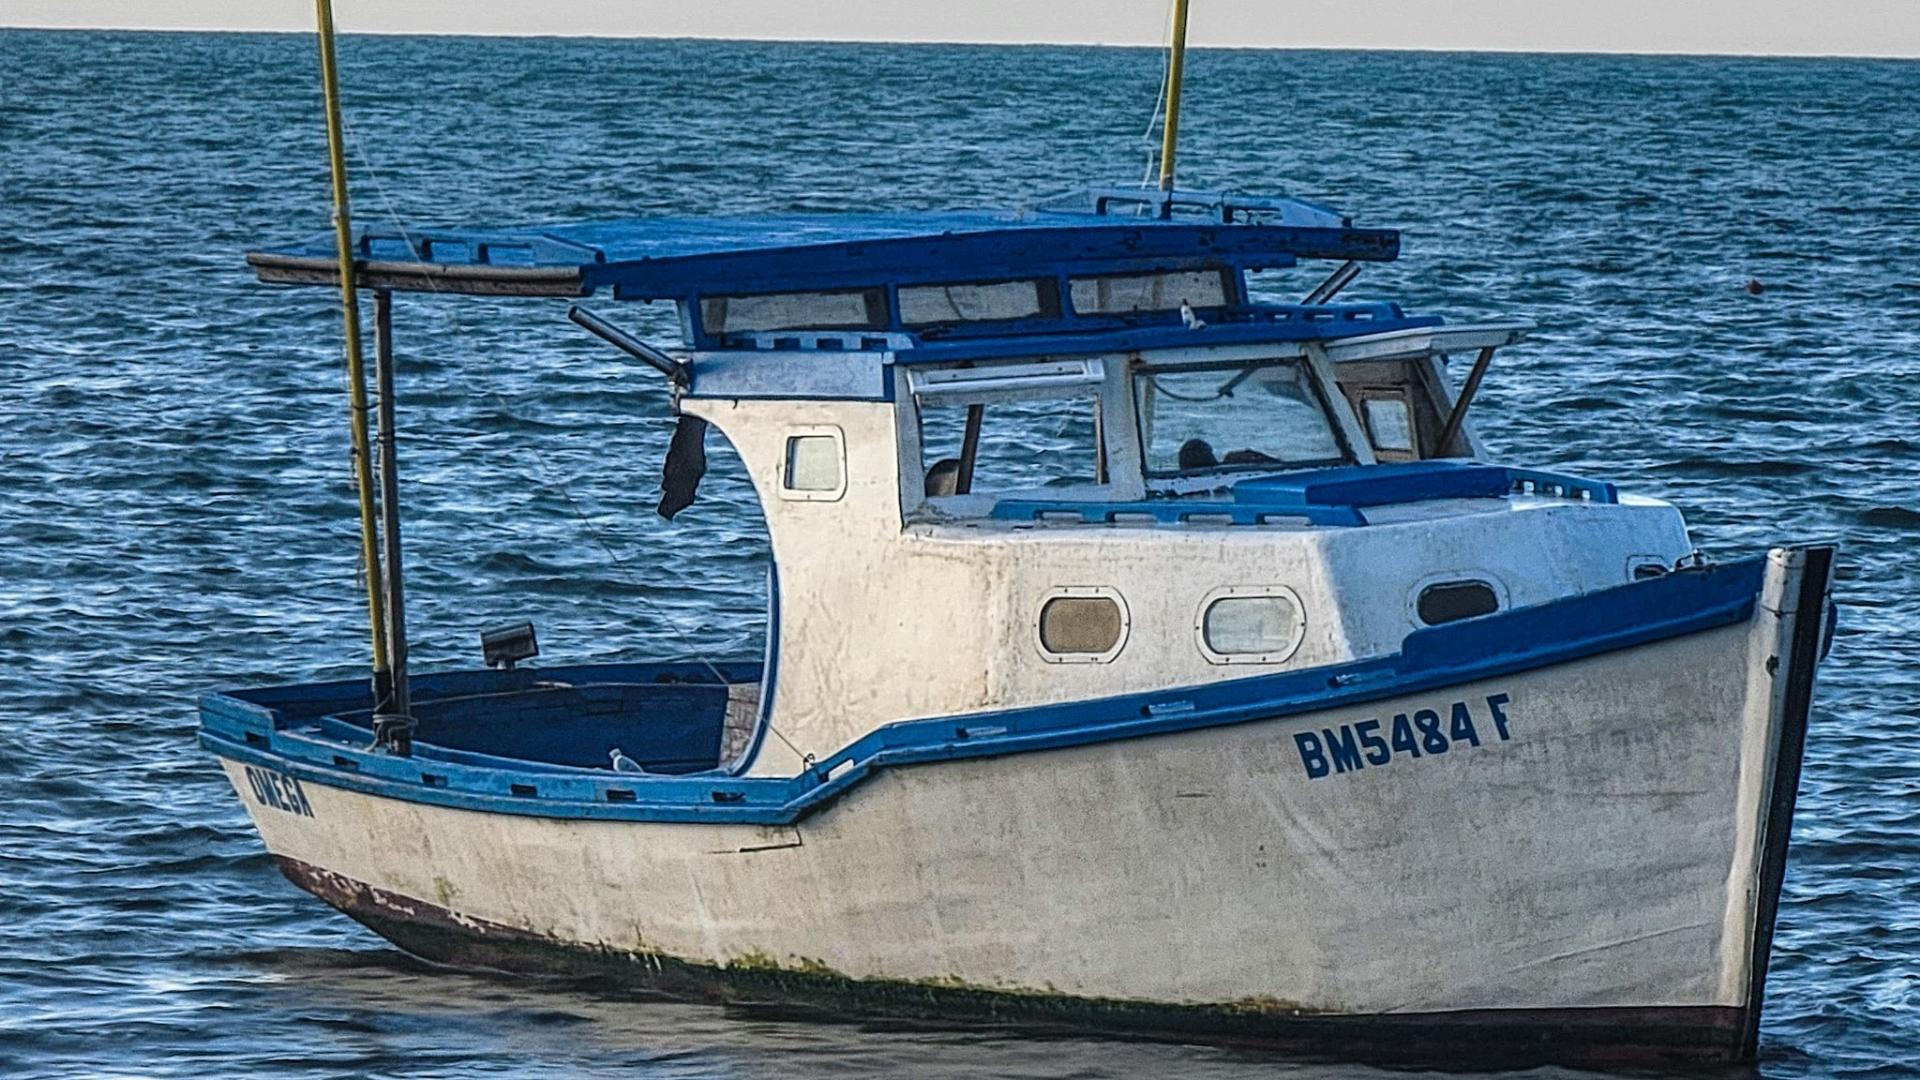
{"x": 1389, "y": 424}
{"x": 815, "y": 466}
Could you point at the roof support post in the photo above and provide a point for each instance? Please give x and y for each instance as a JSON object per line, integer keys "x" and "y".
{"x": 969, "y": 449}
{"x": 356, "y": 369}
{"x": 393, "y": 718}
{"x": 674, "y": 370}
{"x": 1459, "y": 413}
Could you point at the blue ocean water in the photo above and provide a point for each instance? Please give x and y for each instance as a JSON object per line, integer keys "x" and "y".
{"x": 176, "y": 513}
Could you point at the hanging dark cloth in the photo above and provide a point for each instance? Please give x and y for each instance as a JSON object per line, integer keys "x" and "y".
{"x": 686, "y": 464}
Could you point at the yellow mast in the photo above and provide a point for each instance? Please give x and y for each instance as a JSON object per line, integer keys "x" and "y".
{"x": 1170, "y": 127}
{"x": 356, "y": 368}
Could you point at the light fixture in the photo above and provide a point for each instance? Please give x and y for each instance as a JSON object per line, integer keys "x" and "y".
{"x": 503, "y": 646}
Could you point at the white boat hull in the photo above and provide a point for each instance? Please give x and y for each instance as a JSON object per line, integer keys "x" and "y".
{"x": 1593, "y": 866}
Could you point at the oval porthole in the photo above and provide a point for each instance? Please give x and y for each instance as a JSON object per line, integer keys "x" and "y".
{"x": 1451, "y": 601}
{"x": 1250, "y": 625}
{"x": 1085, "y": 625}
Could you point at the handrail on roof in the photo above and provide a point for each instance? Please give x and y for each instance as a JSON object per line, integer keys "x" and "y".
{"x": 478, "y": 246}
{"x": 1225, "y": 206}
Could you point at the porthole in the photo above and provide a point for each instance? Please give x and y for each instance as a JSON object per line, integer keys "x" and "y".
{"x": 1451, "y": 601}
{"x": 1082, "y": 624}
{"x": 814, "y": 466}
{"x": 1646, "y": 567}
{"x": 1250, "y": 625}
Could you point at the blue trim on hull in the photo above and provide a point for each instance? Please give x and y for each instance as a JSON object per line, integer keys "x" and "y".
{"x": 1521, "y": 640}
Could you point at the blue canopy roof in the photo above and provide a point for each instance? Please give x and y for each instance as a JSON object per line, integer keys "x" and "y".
{"x": 679, "y": 258}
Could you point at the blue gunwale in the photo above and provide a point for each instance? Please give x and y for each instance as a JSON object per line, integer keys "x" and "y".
{"x": 1521, "y": 640}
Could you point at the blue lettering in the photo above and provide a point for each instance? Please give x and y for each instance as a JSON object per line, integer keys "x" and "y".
{"x": 253, "y": 781}
{"x": 1311, "y": 756}
{"x": 297, "y": 797}
{"x": 1494, "y": 703}
{"x": 1346, "y": 756}
{"x": 278, "y": 790}
{"x": 1376, "y": 747}
{"x": 1403, "y": 741}
{"x": 269, "y": 784}
{"x": 1350, "y": 747}
{"x": 1463, "y": 725}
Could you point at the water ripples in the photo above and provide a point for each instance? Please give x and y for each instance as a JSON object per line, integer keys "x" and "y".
{"x": 178, "y": 511}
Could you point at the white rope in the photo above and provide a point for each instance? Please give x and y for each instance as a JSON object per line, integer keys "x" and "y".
{"x": 1155, "y": 119}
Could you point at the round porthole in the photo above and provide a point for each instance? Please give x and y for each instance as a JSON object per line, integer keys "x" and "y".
{"x": 1250, "y": 624}
{"x": 1085, "y": 624}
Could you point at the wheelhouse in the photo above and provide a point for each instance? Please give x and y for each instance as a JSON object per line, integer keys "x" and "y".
{"x": 1090, "y": 426}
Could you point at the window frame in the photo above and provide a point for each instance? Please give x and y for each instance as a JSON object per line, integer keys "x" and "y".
{"x": 1335, "y": 423}
{"x": 783, "y": 470}
{"x": 1082, "y": 592}
{"x": 1249, "y": 592}
{"x": 873, "y": 298}
{"x": 1401, "y": 396}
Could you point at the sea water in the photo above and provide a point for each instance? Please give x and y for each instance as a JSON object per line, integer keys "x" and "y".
{"x": 176, "y": 510}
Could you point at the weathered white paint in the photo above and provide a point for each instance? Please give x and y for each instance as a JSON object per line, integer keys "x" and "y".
{"x": 1604, "y": 856}
{"x": 891, "y": 608}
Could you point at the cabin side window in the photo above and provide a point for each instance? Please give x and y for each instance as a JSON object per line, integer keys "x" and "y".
{"x": 978, "y": 301}
{"x": 1233, "y": 416}
{"x": 1388, "y": 418}
{"x": 1396, "y": 405}
{"x": 849, "y": 309}
{"x": 995, "y": 428}
{"x": 814, "y": 467}
{"x": 1013, "y": 446}
{"x": 1082, "y": 624}
{"x": 1120, "y": 294}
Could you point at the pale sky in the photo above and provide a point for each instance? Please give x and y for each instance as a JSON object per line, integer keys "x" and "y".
{"x": 1845, "y": 27}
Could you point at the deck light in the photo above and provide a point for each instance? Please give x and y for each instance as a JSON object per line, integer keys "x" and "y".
{"x": 503, "y": 646}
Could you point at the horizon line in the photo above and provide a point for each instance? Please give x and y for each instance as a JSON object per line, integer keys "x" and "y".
{"x": 1197, "y": 46}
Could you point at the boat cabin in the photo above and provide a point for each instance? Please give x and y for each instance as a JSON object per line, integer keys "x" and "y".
{"x": 1016, "y": 460}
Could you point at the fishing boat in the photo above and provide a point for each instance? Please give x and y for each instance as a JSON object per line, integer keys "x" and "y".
{"x": 1260, "y": 705}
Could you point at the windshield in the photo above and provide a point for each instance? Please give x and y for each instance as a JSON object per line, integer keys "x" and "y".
{"x": 1195, "y": 420}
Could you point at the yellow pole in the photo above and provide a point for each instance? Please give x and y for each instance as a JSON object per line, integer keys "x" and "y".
{"x": 356, "y": 368}
{"x": 1170, "y": 128}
